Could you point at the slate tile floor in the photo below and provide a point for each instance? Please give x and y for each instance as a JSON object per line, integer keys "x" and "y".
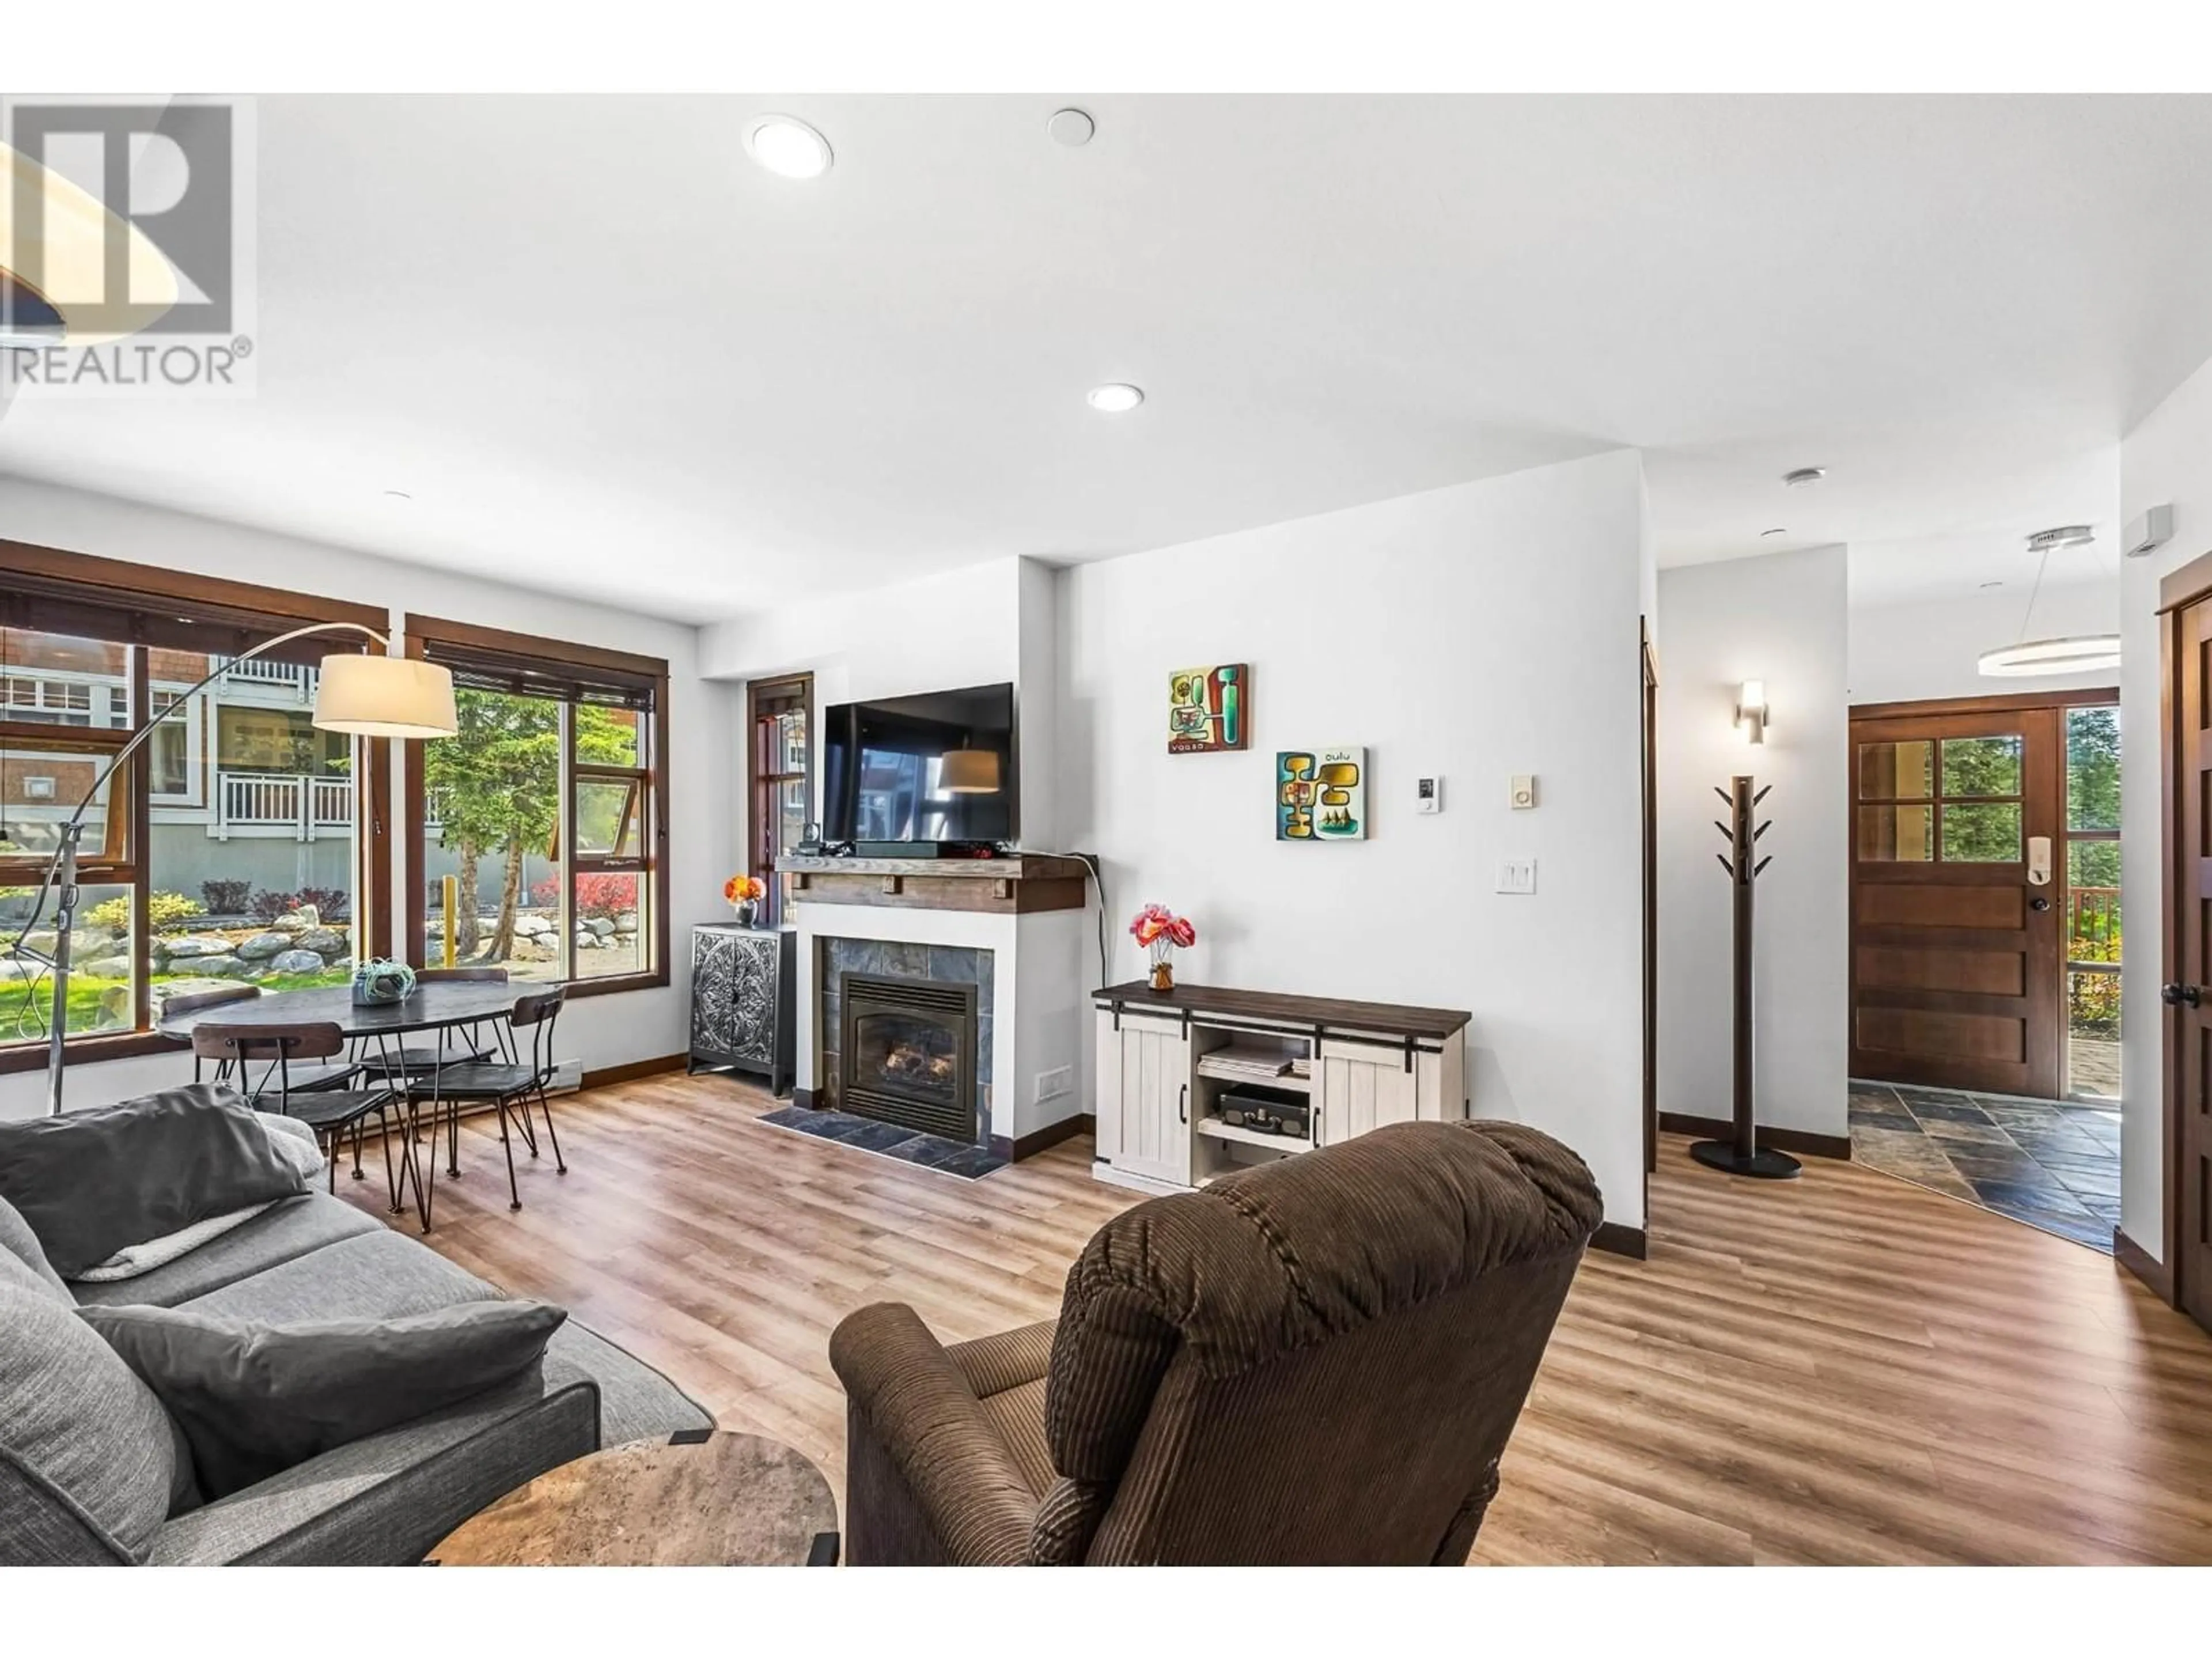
{"x": 931, "y": 1152}
{"x": 2054, "y": 1164}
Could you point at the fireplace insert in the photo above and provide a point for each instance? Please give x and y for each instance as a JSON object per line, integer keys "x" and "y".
{"x": 906, "y": 1053}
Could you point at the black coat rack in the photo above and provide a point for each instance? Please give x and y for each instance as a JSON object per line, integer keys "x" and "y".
{"x": 1742, "y": 1156}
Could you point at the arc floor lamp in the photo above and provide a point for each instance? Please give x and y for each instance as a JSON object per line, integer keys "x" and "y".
{"x": 361, "y": 695}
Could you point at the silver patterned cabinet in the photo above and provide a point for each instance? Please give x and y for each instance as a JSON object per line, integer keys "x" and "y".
{"x": 742, "y": 992}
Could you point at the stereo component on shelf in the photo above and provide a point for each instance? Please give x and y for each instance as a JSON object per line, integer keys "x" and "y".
{"x": 1269, "y": 1114}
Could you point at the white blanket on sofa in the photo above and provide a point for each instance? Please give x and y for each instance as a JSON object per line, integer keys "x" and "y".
{"x": 293, "y": 1140}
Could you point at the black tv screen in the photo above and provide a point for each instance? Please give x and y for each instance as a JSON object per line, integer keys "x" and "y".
{"x": 937, "y": 767}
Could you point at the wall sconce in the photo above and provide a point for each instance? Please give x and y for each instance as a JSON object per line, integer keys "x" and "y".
{"x": 1751, "y": 713}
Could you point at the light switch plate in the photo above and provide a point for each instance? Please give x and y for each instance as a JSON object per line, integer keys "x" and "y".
{"x": 1521, "y": 790}
{"x": 1428, "y": 794}
{"x": 1518, "y": 876}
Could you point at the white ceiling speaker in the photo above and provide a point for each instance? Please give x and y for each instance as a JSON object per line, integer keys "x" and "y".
{"x": 1072, "y": 127}
{"x": 1117, "y": 399}
{"x": 2074, "y": 653}
{"x": 787, "y": 147}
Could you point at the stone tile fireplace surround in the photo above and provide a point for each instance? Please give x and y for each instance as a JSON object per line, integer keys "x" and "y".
{"x": 1026, "y": 967}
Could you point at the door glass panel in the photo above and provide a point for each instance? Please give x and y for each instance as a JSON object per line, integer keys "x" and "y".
{"x": 1896, "y": 834}
{"x": 1981, "y": 766}
{"x": 2092, "y": 1034}
{"x": 1896, "y": 771}
{"x": 2093, "y": 768}
{"x": 2093, "y": 901}
{"x": 1981, "y": 834}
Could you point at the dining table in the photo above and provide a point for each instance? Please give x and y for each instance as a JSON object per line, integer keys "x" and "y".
{"x": 443, "y": 1006}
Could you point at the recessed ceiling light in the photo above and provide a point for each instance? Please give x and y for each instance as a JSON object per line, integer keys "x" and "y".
{"x": 1115, "y": 399}
{"x": 787, "y": 147}
{"x": 1779, "y": 529}
{"x": 1803, "y": 476}
{"x": 1072, "y": 127}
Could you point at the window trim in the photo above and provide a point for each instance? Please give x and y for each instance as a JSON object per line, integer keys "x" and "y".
{"x": 422, "y": 632}
{"x": 760, "y": 785}
{"x": 93, "y": 580}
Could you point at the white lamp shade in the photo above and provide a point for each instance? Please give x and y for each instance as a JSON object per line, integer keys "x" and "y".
{"x": 374, "y": 696}
{"x": 969, "y": 772}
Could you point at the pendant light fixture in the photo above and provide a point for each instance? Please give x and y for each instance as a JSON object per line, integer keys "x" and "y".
{"x": 2076, "y": 653}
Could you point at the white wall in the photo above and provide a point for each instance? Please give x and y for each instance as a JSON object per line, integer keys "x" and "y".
{"x": 2168, "y": 457}
{"x": 704, "y": 836}
{"x": 1912, "y": 652}
{"x": 1780, "y": 618}
{"x": 1474, "y": 632}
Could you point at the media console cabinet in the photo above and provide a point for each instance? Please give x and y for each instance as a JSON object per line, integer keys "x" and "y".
{"x": 1168, "y": 1059}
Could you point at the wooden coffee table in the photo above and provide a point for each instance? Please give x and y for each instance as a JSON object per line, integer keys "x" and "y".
{"x": 698, "y": 1498}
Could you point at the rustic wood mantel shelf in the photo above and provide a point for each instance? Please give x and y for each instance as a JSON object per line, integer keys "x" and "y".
{"x": 1016, "y": 886}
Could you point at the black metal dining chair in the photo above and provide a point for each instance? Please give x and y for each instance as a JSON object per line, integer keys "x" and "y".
{"x": 510, "y": 1085}
{"x": 237, "y": 1050}
{"x": 304, "y": 1079}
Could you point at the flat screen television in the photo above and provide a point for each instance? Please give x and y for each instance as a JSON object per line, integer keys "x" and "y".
{"x": 940, "y": 767}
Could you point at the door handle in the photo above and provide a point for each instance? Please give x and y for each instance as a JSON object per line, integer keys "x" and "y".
{"x": 2173, "y": 996}
{"x": 2039, "y": 904}
{"x": 2038, "y": 860}
{"x": 1182, "y": 1104}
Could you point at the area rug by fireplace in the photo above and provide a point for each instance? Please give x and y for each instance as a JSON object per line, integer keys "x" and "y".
{"x": 866, "y": 1134}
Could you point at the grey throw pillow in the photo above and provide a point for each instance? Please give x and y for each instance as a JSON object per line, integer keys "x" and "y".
{"x": 93, "y": 1182}
{"x": 87, "y": 1458}
{"x": 20, "y": 1244}
{"x": 255, "y": 1399}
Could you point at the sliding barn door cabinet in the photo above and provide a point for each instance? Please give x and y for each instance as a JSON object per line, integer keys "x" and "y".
{"x": 1197, "y": 1082}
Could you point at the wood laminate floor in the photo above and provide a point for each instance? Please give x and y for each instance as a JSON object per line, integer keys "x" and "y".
{"x": 1843, "y": 1368}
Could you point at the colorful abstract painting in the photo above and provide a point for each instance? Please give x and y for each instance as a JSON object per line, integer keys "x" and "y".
{"x": 1321, "y": 794}
{"x": 1209, "y": 709}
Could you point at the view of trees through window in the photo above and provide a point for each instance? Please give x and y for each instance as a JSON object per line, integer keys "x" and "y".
{"x": 527, "y": 895}
{"x": 2093, "y": 901}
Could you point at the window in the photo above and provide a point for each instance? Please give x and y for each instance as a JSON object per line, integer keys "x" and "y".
{"x": 175, "y": 890}
{"x": 779, "y": 761}
{"x": 1958, "y": 801}
{"x": 539, "y": 828}
{"x": 2093, "y": 903}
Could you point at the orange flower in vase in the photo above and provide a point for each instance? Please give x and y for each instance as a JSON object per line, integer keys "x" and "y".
{"x": 745, "y": 894}
{"x": 1162, "y": 933}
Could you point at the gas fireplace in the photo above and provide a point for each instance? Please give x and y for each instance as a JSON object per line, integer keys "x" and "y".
{"x": 906, "y": 1053}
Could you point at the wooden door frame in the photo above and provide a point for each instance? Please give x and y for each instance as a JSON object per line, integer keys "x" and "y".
{"x": 2011, "y": 703}
{"x": 2177, "y": 592}
{"x": 1648, "y": 671}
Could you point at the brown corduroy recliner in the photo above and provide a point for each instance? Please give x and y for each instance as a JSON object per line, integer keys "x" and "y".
{"x": 1317, "y": 1361}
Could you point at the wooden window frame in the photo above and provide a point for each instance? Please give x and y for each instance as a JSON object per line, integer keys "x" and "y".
{"x": 118, "y": 583}
{"x": 761, "y": 785}
{"x": 423, "y": 633}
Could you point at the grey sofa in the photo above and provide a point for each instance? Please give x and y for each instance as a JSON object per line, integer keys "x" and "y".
{"x": 381, "y": 1501}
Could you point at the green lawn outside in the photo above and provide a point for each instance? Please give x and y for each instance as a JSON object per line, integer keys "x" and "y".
{"x": 89, "y": 999}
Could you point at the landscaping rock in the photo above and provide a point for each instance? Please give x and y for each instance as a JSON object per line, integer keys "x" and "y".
{"x": 323, "y": 941}
{"x": 531, "y": 926}
{"x": 298, "y": 920}
{"x": 601, "y": 926}
{"x": 587, "y": 942}
{"x": 221, "y": 968}
{"x": 295, "y": 962}
{"x": 262, "y": 946}
{"x": 197, "y": 945}
{"x": 626, "y": 922}
{"x": 108, "y": 968}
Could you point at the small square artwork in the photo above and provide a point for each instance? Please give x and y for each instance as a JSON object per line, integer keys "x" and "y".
{"x": 1209, "y": 709}
{"x": 1321, "y": 794}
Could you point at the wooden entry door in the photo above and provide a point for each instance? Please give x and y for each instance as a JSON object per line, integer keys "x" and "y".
{"x": 2188, "y": 990}
{"x": 1955, "y": 978}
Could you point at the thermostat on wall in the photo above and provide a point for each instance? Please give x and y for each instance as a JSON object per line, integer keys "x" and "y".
{"x": 1428, "y": 794}
{"x": 1521, "y": 790}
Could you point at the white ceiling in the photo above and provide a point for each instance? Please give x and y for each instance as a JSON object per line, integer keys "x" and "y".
{"x": 606, "y": 354}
